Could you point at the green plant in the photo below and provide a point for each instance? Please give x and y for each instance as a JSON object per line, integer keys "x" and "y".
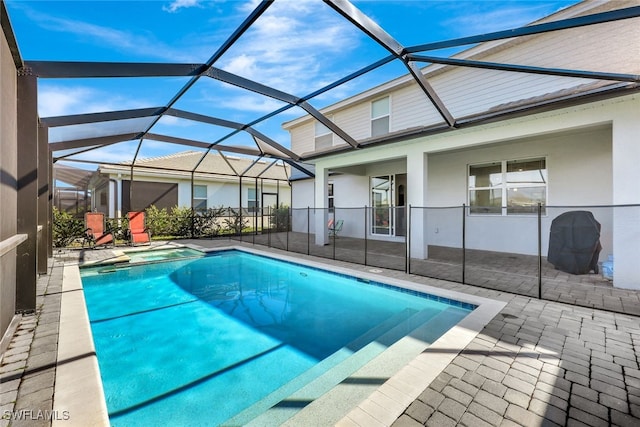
{"x": 181, "y": 221}
{"x": 65, "y": 228}
{"x": 207, "y": 223}
{"x": 158, "y": 221}
{"x": 118, "y": 226}
{"x": 235, "y": 222}
{"x": 279, "y": 218}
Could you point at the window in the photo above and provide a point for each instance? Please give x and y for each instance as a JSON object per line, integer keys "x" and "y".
{"x": 252, "y": 199}
{"x": 380, "y": 117}
{"x": 324, "y": 137}
{"x": 512, "y": 187}
{"x": 330, "y": 197}
{"x": 200, "y": 198}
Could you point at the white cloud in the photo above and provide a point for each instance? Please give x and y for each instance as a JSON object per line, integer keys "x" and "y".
{"x": 296, "y": 47}
{"x": 180, "y": 4}
{"x": 62, "y": 100}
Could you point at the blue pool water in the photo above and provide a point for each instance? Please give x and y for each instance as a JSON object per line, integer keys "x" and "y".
{"x": 199, "y": 341}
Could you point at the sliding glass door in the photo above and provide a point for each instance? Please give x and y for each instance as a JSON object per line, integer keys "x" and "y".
{"x": 381, "y": 205}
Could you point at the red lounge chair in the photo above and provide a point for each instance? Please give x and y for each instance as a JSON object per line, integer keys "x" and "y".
{"x": 138, "y": 233}
{"x": 95, "y": 233}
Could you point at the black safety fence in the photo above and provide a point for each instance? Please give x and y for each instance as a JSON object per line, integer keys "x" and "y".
{"x": 580, "y": 255}
{"x": 556, "y": 253}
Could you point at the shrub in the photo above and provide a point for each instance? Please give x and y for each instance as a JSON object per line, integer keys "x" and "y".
{"x": 279, "y": 218}
{"x": 181, "y": 221}
{"x": 235, "y": 222}
{"x": 207, "y": 223}
{"x": 65, "y": 228}
{"x": 118, "y": 226}
{"x": 158, "y": 221}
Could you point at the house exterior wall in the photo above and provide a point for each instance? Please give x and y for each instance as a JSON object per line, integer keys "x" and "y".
{"x": 303, "y": 196}
{"x": 592, "y": 156}
{"x": 8, "y": 195}
{"x": 571, "y": 160}
{"x": 225, "y": 194}
{"x": 219, "y": 193}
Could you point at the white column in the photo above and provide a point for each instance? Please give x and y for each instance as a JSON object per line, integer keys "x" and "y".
{"x": 118, "y": 207}
{"x": 417, "y": 198}
{"x": 626, "y": 220}
{"x": 320, "y": 215}
{"x": 111, "y": 201}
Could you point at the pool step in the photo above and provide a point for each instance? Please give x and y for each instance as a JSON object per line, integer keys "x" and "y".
{"x": 293, "y": 396}
{"x": 339, "y": 400}
{"x": 345, "y": 352}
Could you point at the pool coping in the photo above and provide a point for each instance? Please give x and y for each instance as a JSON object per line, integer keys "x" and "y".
{"x": 78, "y": 387}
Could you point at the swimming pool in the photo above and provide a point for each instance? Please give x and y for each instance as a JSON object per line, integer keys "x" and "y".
{"x": 225, "y": 337}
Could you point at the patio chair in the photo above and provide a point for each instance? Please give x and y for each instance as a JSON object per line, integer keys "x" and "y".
{"x": 95, "y": 233}
{"x": 334, "y": 227}
{"x": 138, "y": 232}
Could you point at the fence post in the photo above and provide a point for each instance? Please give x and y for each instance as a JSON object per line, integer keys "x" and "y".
{"x": 365, "y": 235}
{"x": 240, "y": 226}
{"x": 308, "y": 229}
{"x": 407, "y": 261}
{"x": 464, "y": 241}
{"x": 539, "y": 250}
{"x": 255, "y": 226}
{"x": 269, "y": 226}
{"x": 289, "y": 213}
{"x": 334, "y": 232}
{"x": 193, "y": 227}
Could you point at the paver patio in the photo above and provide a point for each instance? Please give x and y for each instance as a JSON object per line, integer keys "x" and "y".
{"x": 536, "y": 363}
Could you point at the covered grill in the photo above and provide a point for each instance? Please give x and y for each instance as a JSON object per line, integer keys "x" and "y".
{"x": 574, "y": 242}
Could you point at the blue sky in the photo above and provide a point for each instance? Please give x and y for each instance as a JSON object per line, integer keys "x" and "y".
{"x": 297, "y": 46}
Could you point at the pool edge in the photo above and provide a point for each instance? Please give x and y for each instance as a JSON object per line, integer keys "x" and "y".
{"x": 78, "y": 388}
{"x": 78, "y": 392}
{"x": 406, "y": 385}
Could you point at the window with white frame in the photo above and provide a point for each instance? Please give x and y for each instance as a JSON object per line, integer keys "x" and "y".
{"x": 380, "y": 117}
{"x": 324, "y": 136}
{"x": 200, "y": 198}
{"x": 508, "y": 187}
{"x": 252, "y": 199}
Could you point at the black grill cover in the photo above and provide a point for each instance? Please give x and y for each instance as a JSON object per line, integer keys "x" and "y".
{"x": 574, "y": 242}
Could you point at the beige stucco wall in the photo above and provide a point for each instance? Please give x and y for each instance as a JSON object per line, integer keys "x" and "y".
{"x": 8, "y": 171}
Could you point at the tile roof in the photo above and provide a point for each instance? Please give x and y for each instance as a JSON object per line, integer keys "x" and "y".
{"x": 184, "y": 162}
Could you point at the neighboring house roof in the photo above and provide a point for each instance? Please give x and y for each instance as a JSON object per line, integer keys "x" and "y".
{"x": 76, "y": 177}
{"x": 213, "y": 164}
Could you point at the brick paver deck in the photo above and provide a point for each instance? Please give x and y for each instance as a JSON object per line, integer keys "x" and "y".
{"x": 536, "y": 363}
